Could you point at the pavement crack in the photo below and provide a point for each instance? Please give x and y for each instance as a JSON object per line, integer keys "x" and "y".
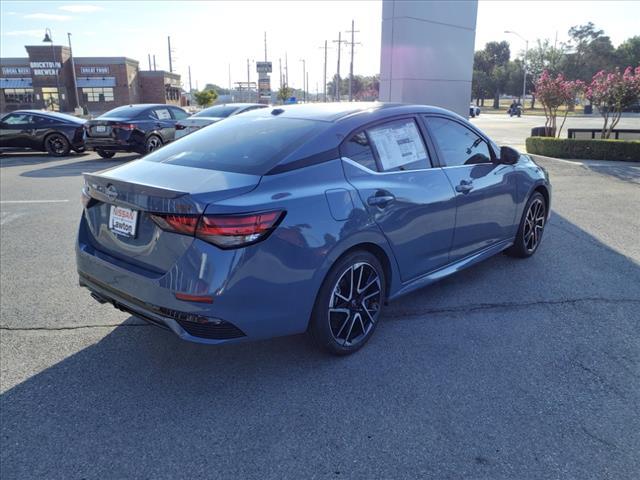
{"x": 71, "y": 327}
{"x": 503, "y": 305}
{"x": 598, "y": 439}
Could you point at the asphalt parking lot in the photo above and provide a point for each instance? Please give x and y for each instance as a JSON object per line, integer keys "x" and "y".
{"x": 513, "y": 369}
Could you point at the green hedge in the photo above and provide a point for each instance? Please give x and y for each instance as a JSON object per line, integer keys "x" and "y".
{"x": 626, "y": 150}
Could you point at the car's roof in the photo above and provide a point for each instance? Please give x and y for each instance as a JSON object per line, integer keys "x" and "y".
{"x": 332, "y": 112}
{"x": 48, "y": 113}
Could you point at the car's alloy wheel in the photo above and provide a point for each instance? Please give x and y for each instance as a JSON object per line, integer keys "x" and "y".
{"x": 534, "y": 224}
{"x": 355, "y": 304}
{"x": 531, "y": 227}
{"x": 153, "y": 143}
{"x": 57, "y": 145}
{"x": 349, "y": 303}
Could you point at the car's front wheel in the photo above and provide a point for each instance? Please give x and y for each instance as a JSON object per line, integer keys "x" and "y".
{"x": 57, "y": 145}
{"x": 348, "y": 306}
{"x": 531, "y": 227}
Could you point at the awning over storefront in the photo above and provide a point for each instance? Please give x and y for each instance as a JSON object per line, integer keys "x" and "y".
{"x": 16, "y": 83}
{"x": 96, "y": 82}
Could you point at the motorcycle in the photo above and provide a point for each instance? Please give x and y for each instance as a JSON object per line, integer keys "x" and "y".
{"x": 517, "y": 110}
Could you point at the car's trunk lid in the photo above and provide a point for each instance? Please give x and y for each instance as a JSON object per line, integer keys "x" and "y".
{"x": 147, "y": 188}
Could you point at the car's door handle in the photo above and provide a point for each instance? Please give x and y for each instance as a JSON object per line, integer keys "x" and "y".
{"x": 464, "y": 186}
{"x": 380, "y": 200}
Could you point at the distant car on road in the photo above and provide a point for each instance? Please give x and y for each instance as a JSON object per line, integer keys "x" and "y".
{"x": 212, "y": 115}
{"x": 52, "y": 132}
{"x": 474, "y": 111}
{"x": 140, "y": 128}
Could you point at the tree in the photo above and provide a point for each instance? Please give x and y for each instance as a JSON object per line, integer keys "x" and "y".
{"x": 205, "y": 98}
{"x": 219, "y": 90}
{"x": 613, "y": 92}
{"x": 589, "y": 50}
{"x": 543, "y": 57}
{"x": 497, "y": 54}
{"x": 554, "y": 93}
{"x": 628, "y": 52}
{"x": 285, "y": 92}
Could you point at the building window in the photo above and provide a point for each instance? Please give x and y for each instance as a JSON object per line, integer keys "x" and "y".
{"x": 172, "y": 93}
{"x": 19, "y": 95}
{"x": 97, "y": 94}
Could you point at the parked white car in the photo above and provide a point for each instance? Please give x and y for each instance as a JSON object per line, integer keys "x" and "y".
{"x": 212, "y": 115}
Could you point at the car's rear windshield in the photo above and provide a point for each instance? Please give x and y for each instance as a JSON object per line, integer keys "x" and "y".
{"x": 219, "y": 111}
{"x": 241, "y": 144}
{"x": 125, "y": 111}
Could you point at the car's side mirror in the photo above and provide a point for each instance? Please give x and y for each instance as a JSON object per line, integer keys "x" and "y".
{"x": 509, "y": 155}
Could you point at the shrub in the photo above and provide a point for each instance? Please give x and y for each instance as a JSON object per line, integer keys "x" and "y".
{"x": 626, "y": 150}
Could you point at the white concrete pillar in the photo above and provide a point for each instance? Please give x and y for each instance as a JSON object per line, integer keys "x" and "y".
{"x": 427, "y": 52}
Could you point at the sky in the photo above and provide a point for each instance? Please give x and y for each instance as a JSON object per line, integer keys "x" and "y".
{"x": 217, "y": 37}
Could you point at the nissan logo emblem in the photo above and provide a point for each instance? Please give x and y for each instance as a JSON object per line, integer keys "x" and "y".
{"x": 111, "y": 192}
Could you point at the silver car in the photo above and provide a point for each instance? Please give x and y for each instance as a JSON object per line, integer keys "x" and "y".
{"x": 212, "y": 115}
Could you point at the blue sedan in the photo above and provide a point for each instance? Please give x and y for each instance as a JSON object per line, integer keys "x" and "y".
{"x": 304, "y": 218}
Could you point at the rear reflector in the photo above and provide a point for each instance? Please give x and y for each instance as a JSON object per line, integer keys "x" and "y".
{"x": 194, "y": 298}
{"x": 225, "y": 231}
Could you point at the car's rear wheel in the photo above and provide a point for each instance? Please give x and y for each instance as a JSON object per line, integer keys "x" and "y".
{"x": 57, "y": 145}
{"x": 348, "y": 306}
{"x": 105, "y": 153}
{"x": 153, "y": 143}
{"x": 531, "y": 227}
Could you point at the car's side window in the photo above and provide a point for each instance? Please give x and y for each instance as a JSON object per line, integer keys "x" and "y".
{"x": 399, "y": 146}
{"x": 458, "y": 144}
{"x": 18, "y": 119}
{"x": 179, "y": 114}
{"x": 358, "y": 149}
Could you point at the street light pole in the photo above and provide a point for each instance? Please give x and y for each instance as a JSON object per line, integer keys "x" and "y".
{"x": 73, "y": 69}
{"x": 304, "y": 76}
{"x": 524, "y": 63}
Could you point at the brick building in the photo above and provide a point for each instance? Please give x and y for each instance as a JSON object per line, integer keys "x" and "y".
{"x": 45, "y": 79}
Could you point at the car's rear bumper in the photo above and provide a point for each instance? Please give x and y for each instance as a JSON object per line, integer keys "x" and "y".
{"x": 111, "y": 144}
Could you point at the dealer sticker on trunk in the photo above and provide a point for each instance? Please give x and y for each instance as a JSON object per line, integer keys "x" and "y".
{"x": 123, "y": 221}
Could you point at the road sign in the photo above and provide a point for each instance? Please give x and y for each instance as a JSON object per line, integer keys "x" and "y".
{"x": 263, "y": 67}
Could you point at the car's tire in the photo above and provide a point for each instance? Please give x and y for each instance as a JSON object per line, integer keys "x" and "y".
{"x": 531, "y": 228}
{"x": 154, "y": 142}
{"x": 105, "y": 153}
{"x": 348, "y": 306}
{"x": 80, "y": 150}
{"x": 57, "y": 145}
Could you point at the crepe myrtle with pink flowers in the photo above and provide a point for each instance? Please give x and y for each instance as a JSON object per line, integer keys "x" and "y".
{"x": 554, "y": 93}
{"x": 611, "y": 93}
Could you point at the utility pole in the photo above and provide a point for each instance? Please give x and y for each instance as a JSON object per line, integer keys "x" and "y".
{"x": 307, "y": 89}
{"x": 352, "y": 43}
{"x": 280, "y": 66}
{"x": 286, "y": 70}
{"x": 304, "y": 76}
{"x": 154, "y": 63}
{"x": 73, "y": 69}
{"x": 265, "y": 46}
{"x": 190, "y": 79}
{"x": 248, "y": 82}
{"x": 336, "y": 86}
{"x": 324, "y": 79}
{"x": 149, "y": 55}
{"x": 169, "y": 46}
{"x": 230, "y": 82}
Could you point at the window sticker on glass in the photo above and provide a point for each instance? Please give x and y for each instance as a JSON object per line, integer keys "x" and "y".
{"x": 399, "y": 144}
{"x": 163, "y": 114}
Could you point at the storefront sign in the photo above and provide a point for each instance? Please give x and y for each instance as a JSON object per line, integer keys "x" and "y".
{"x": 263, "y": 67}
{"x": 45, "y": 68}
{"x": 16, "y": 70}
{"x": 90, "y": 70}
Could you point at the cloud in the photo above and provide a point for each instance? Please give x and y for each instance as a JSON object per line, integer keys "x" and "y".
{"x": 47, "y": 16}
{"x": 81, "y": 8}
{"x": 24, "y": 33}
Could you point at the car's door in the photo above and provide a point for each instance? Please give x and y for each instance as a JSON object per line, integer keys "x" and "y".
{"x": 412, "y": 202}
{"x": 16, "y": 130}
{"x": 165, "y": 124}
{"x": 485, "y": 189}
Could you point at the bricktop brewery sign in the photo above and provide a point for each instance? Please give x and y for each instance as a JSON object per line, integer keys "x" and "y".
{"x": 45, "y": 68}
{"x": 94, "y": 70}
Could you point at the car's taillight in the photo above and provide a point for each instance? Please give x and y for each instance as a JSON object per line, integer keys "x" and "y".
{"x": 179, "y": 126}
{"x": 124, "y": 126}
{"x": 224, "y": 231}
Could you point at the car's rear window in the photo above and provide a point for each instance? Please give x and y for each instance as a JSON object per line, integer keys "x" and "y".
{"x": 241, "y": 144}
{"x": 125, "y": 111}
{"x": 219, "y": 111}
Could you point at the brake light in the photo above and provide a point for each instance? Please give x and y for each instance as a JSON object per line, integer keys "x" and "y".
{"x": 124, "y": 126}
{"x": 224, "y": 231}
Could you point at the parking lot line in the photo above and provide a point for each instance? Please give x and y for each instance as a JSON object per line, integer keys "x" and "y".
{"x": 33, "y": 201}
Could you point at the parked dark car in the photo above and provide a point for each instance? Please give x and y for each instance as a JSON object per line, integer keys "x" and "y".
{"x": 139, "y": 128}
{"x": 52, "y": 132}
{"x": 304, "y": 218}
{"x": 212, "y": 115}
